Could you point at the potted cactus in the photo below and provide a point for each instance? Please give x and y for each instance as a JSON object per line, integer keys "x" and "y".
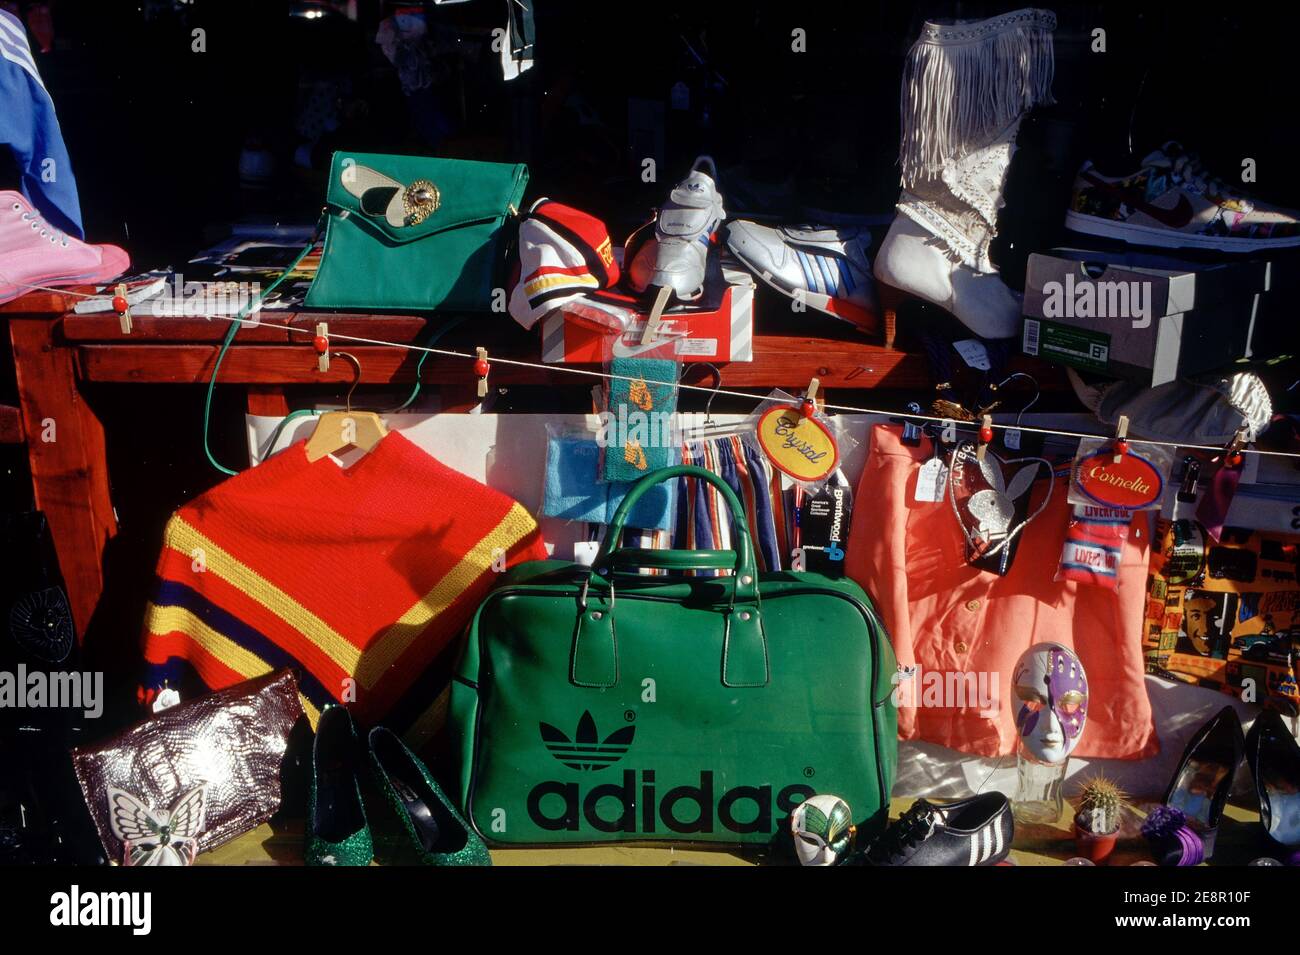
{"x": 1097, "y": 822}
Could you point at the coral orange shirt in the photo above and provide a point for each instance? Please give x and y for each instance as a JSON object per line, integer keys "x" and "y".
{"x": 950, "y": 618}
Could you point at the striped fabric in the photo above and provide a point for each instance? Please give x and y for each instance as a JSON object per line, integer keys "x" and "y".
{"x": 986, "y": 843}
{"x": 1094, "y": 545}
{"x": 827, "y": 274}
{"x": 29, "y": 127}
{"x": 702, "y": 519}
{"x": 359, "y": 579}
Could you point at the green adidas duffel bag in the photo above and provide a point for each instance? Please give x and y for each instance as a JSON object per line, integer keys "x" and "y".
{"x": 596, "y": 704}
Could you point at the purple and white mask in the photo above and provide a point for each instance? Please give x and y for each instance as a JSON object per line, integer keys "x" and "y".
{"x": 1051, "y": 692}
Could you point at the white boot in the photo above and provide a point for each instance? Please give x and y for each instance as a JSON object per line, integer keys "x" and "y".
{"x": 966, "y": 87}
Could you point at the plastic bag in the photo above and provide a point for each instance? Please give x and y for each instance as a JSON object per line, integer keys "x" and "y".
{"x": 1094, "y": 545}
{"x": 806, "y": 446}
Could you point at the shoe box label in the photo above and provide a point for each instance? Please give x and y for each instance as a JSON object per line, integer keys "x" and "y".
{"x": 1081, "y": 348}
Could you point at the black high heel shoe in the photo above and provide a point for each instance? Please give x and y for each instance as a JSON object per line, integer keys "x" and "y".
{"x": 1274, "y": 757}
{"x": 1199, "y": 788}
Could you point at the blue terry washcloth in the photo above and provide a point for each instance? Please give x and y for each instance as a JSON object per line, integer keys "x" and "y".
{"x": 574, "y": 493}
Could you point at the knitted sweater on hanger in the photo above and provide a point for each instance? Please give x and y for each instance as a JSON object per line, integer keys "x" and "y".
{"x": 358, "y": 578}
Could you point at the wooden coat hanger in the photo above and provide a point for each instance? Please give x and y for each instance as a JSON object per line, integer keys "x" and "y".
{"x": 337, "y": 430}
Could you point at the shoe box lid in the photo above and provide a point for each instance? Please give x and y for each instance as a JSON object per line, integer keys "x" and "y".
{"x": 1147, "y": 316}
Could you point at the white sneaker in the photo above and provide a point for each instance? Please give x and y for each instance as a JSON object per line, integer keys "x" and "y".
{"x": 825, "y": 268}
{"x": 683, "y": 232}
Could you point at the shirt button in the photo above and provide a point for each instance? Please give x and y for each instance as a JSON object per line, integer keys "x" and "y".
{"x": 961, "y": 647}
{"x": 972, "y": 605}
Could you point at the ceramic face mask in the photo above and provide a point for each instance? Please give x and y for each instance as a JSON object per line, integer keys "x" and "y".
{"x": 1051, "y": 699}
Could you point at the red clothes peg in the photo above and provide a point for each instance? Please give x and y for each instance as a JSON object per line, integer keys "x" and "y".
{"x": 481, "y": 368}
{"x": 122, "y": 306}
{"x": 322, "y": 345}
{"x": 1121, "y": 438}
{"x": 986, "y": 437}
{"x": 808, "y": 407}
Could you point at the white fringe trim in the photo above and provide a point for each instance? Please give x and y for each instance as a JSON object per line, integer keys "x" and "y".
{"x": 964, "y": 83}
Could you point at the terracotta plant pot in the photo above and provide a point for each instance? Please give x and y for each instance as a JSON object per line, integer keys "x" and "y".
{"x": 1093, "y": 847}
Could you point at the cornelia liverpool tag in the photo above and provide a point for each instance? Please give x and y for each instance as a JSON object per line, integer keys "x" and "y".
{"x": 1133, "y": 482}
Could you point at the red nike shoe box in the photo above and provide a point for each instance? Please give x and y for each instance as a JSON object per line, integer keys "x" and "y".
{"x": 718, "y": 327}
{"x": 1142, "y": 316}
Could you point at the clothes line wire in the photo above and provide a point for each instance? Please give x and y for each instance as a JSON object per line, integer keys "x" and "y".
{"x": 242, "y": 319}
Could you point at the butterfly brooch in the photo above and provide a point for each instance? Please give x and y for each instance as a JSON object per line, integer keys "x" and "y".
{"x": 157, "y": 837}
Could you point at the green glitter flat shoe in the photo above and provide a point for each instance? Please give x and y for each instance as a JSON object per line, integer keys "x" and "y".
{"x": 436, "y": 829}
{"x": 337, "y": 830}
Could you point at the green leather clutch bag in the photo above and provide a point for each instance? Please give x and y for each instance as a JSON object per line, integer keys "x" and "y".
{"x": 415, "y": 233}
{"x": 596, "y": 704}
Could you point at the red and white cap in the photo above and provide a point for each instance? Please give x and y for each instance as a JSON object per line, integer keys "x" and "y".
{"x": 564, "y": 254}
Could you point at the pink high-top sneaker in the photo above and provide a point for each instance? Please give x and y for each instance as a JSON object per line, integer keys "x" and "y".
{"x": 32, "y": 252}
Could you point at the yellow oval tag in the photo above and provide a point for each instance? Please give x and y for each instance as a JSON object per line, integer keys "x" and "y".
{"x": 803, "y": 448}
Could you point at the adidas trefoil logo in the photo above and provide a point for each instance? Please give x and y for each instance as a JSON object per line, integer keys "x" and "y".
{"x": 586, "y": 751}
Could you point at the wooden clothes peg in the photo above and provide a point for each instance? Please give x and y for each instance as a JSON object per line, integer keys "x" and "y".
{"x": 1232, "y": 456}
{"x": 481, "y": 368}
{"x": 808, "y": 407}
{"x": 986, "y": 437}
{"x": 656, "y": 315}
{"x": 1121, "y": 439}
{"x": 122, "y": 305}
{"x": 322, "y": 345}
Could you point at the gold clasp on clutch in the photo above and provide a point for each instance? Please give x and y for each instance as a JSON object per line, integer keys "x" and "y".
{"x": 420, "y": 200}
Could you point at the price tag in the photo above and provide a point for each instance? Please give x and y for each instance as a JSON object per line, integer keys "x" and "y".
{"x": 1011, "y": 439}
{"x": 584, "y": 552}
{"x": 932, "y": 481}
{"x": 973, "y": 353}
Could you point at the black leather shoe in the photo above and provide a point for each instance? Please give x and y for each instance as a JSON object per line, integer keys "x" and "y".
{"x": 1200, "y": 785}
{"x": 1274, "y": 757}
{"x": 974, "y": 831}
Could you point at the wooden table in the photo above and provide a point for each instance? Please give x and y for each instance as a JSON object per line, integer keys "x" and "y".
{"x": 1240, "y": 840}
{"x": 56, "y": 351}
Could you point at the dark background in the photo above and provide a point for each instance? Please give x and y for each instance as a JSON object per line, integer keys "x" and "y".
{"x": 156, "y": 132}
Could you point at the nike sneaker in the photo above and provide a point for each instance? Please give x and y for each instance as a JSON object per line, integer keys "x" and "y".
{"x": 34, "y": 253}
{"x": 824, "y": 267}
{"x": 1173, "y": 202}
{"x": 974, "y": 831}
{"x": 684, "y": 230}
